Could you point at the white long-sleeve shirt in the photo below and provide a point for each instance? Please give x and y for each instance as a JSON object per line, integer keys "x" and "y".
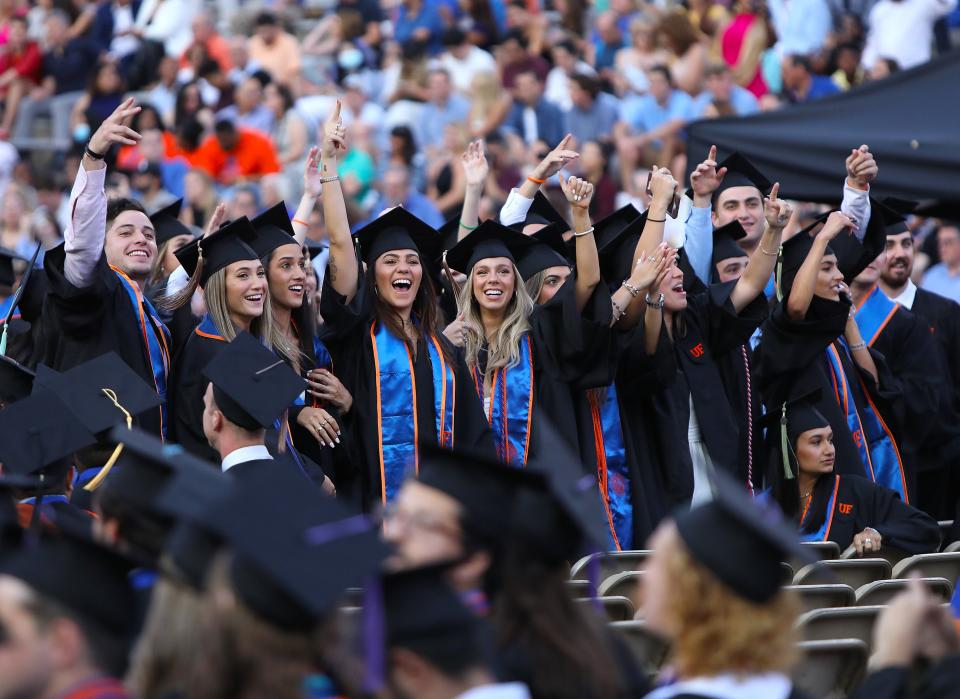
{"x": 903, "y": 31}
{"x": 87, "y": 229}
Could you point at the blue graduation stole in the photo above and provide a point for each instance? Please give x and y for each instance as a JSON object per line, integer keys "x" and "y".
{"x": 398, "y": 431}
{"x": 873, "y": 439}
{"x": 156, "y": 340}
{"x": 612, "y": 470}
{"x": 511, "y": 406}
{"x": 5, "y": 307}
{"x": 874, "y": 313}
{"x": 823, "y": 533}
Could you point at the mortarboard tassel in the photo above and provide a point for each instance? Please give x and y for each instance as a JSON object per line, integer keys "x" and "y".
{"x": 785, "y": 444}
{"x": 99, "y": 478}
{"x": 778, "y": 281}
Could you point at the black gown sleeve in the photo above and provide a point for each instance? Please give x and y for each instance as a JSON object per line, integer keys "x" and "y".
{"x": 79, "y": 311}
{"x": 340, "y": 318}
{"x": 187, "y": 386}
{"x": 901, "y": 526}
{"x": 725, "y": 328}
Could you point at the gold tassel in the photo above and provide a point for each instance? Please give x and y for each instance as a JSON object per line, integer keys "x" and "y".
{"x": 99, "y": 478}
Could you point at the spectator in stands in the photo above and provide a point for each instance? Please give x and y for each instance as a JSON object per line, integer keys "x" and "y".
{"x": 233, "y": 154}
{"x": 566, "y": 62}
{"x": 446, "y": 184}
{"x": 105, "y": 92}
{"x": 801, "y": 84}
{"x": 371, "y": 14}
{"x": 490, "y": 104}
{"x": 442, "y": 109}
{"x": 688, "y": 53}
{"x": 14, "y": 221}
{"x": 168, "y": 25}
{"x": 533, "y": 117}
{"x": 883, "y": 68}
{"x": 464, "y": 61}
{"x": 643, "y": 53}
{"x": 205, "y": 34}
{"x": 290, "y": 135}
{"x": 147, "y": 184}
{"x": 396, "y": 191}
{"x": 275, "y": 50}
{"x": 244, "y": 201}
{"x": 722, "y": 96}
{"x": 160, "y": 147}
{"x": 21, "y": 65}
{"x": 607, "y": 39}
{"x": 849, "y": 72}
{"x": 594, "y": 113}
{"x": 592, "y": 165}
{"x": 248, "y": 110}
{"x": 419, "y": 20}
{"x": 802, "y": 26}
{"x": 199, "y": 198}
{"x": 515, "y": 58}
{"x": 190, "y": 106}
{"x": 243, "y": 65}
{"x": 902, "y": 30}
{"x": 944, "y": 278}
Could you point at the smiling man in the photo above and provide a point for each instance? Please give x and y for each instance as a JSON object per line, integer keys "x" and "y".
{"x": 96, "y": 303}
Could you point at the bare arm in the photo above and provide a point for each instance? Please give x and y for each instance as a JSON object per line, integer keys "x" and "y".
{"x": 555, "y": 161}
{"x": 579, "y": 193}
{"x": 763, "y": 260}
{"x": 312, "y": 188}
{"x": 801, "y": 294}
{"x": 342, "y": 266}
{"x": 858, "y": 348}
{"x": 475, "y": 171}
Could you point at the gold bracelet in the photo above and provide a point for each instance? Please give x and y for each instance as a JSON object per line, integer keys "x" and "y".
{"x": 771, "y": 254}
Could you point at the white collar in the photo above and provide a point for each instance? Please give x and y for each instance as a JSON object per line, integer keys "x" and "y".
{"x": 506, "y": 690}
{"x": 244, "y": 454}
{"x": 773, "y": 685}
{"x": 907, "y": 296}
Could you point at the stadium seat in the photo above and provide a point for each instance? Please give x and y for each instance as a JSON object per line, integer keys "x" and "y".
{"x": 649, "y": 649}
{"x": 616, "y": 608}
{"x": 787, "y": 573}
{"x": 822, "y": 550}
{"x": 610, "y": 564}
{"x": 930, "y": 565}
{"x": 952, "y": 547}
{"x": 855, "y": 572}
{"x": 945, "y": 526}
{"x": 823, "y": 596}
{"x": 888, "y": 553}
{"x": 839, "y": 622}
{"x": 626, "y": 584}
{"x": 580, "y": 589}
{"x": 881, "y": 591}
{"x": 830, "y": 669}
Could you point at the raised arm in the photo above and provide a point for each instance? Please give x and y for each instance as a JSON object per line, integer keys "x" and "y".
{"x": 862, "y": 169}
{"x": 698, "y": 246}
{"x": 801, "y": 293}
{"x": 763, "y": 260}
{"x": 475, "y": 170}
{"x": 518, "y": 203}
{"x": 312, "y": 188}
{"x": 579, "y": 193}
{"x": 85, "y": 232}
{"x": 342, "y": 265}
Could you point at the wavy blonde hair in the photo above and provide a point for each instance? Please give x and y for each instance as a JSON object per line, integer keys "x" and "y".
{"x": 716, "y": 631}
{"x": 503, "y": 350}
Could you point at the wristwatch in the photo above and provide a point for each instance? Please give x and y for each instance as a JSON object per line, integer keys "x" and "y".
{"x": 658, "y": 304}
{"x": 92, "y": 153}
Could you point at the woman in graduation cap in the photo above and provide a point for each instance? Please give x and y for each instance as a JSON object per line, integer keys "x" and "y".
{"x": 384, "y": 332}
{"x": 812, "y": 341}
{"x": 171, "y": 235}
{"x": 827, "y": 506}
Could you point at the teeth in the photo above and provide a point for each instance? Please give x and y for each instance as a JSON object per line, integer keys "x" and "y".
{"x": 139, "y": 253}
{"x": 402, "y": 284}
{"x": 493, "y": 292}
{"x": 254, "y": 297}
{"x": 295, "y": 287}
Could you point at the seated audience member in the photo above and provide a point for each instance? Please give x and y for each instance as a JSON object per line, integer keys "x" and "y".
{"x": 21, "y": 64}
{"x": 232, "y": 154}
{"x": 944, "y": 278}
{"x": 275, "y": 50}
{"x": 801, "y": 84}
{"x": 722, "y": 96}
{"x": 533, "y": 118}
{"x": 593, "y": 113}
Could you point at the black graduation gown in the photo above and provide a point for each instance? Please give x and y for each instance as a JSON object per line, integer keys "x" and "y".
{"x": 25, "y": 335}
{"x": 942, "y": 681}
{"x": 943, "y": 316}
{"x": 185, "y": 394}
{"x": 81, "y": 324}
{"x": 792, "y": 362}
{"x": 346, "y": 333}
{"x": 861, "y": 503}
{"x": 180, "y": 322}
{"x": 708, "y": 328}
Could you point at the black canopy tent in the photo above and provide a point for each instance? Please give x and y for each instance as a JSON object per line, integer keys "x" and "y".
{"x": 911, "y": 121}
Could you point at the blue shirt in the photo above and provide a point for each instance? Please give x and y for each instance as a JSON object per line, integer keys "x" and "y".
{"x": 939, "y": 280}
{"x": 802, "y": 25}
{"x": 429, "y": 19}
{"x": 416, "y": 203}
{"x": 820, "y": 86}
{"x": 435, "y": 119}
{"x": 645, "y": 114}
{"x": 741, "y": 99}
{"x": 596, "y": 123}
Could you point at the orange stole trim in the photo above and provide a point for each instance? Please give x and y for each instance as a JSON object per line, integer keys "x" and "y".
{"x": 526, "y": 448}
{"x": 200, "y": 332}
{"x": 443, "y": 398}
{"x": 602, "y": 463}
{"x": 846, "y": 408}
{"x": 836, "y": 487}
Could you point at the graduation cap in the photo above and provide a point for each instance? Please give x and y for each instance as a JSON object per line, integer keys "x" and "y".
{"x": 424, "y": 614}
{"x": 484, "y": 487}
{"x": 223, "y": 247}
{"x": 740, "y": 541}
{"x": 543, "y": 212}
{"x": 795, "y": 417}
{"x": 38, "y": 435}
{"x": 449, "y": 232}
{"x": 16, "y": 380}
{"x": 490, "y": 239}
{"x": 273, "y": 229}
{"x": 617, "y": 236}
{"x": 549, "y": 251}
{"x": 295, "y": 550}
{"x": 725, "y": 245}
{"x": 7, "y": 273}
{"x": 251, "y": 385}
{"x": 90, "y": 580}
{"x": 167, "y": 224}
{"x": 893, "y": 213}
{"x": 398, "y": 229}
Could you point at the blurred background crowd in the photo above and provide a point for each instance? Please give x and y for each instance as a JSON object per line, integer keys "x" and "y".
{"x": 235, "y": 92}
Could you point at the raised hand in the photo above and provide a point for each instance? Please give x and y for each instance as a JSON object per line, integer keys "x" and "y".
{"x": 216, "y": 219}
{"x": 115, "y": 128}
{"x": 578, "y": 192}
{"x": 776, "y": 210}
{"x": 705, "y": 179}
{"x": 662, "y": 185}
{"x": 556, "y": 160}
{"x": 334, "y": 135}
{"x": 312, "y": 179}
{"x": 862, "y": 168}
{"x": 836, "y": 223}
{"x": 474, "y": 162}
{"x": 649, "y": 268}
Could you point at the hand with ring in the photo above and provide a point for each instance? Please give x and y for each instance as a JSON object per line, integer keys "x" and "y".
{"x": 868, "y": 541}
{"x": 578, "y": 192}
{"x": 321, "y": 425}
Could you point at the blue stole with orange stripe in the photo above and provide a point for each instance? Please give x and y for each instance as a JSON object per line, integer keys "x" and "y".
{"x": 511, "y": 406}
{"x": 398, "y": 430}
{"x": 612, "y": 470}
{"x": 156, "y": 340}
{"x": 874, "y": 313}
{"x": 823, "y": 533}
{"x": 873, "y": 439}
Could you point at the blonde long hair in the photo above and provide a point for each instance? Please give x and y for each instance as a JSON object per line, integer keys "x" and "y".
{"x": 503, "y": 350}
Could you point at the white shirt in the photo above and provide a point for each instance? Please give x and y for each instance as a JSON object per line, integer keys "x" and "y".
{"x": 530, "y": 131}
{"x": 168, "y": 22}
{"x": 506, "y": 690}
{"x": 242, "y": 455}
{"x": 769, "y": 686}
{"x": 907, "y": 296}
{"x": 121, "y": 46}
{"x": 84, "y": 235}
{"x": 903, "y": 31}
{"x": 463, "y": 71}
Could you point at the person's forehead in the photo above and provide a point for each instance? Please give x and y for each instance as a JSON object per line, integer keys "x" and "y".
{"x": 132, "y": 217}
{"x": 949, "y": 232}
{"x": 900, "y": 237}
{"x": 738, "y": 194}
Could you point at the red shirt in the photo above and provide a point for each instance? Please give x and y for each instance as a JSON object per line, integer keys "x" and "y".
{"x": 97, "y": 688}
{"x": 28, "y": 63}
{"x": 253, "y": 156}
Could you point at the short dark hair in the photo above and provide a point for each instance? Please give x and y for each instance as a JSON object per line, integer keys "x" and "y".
{"x": 516, "y": 35}
{"x": 587, "y": 83}
{"x": 454, "y": 37}
{"x": 663, "y": 70}
{"x": 265, "y": 18}
{"x": 799, "y": 60}
{"x": 118, "y": 205}
{"x": 224, "y": 127}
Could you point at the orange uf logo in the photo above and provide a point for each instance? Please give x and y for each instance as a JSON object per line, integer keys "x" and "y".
{"x": 697, "y": 351}
{"x": 845, "y": 508}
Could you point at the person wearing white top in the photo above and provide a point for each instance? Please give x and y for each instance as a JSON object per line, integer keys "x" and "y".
{"x": 902, "y": 30}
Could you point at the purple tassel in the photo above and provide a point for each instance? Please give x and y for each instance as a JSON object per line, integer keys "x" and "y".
{"x": 374, "y": 639}
{"x": 593, "y": 576}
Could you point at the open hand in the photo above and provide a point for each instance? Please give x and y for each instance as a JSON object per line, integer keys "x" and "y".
{"x": 319, "y": 423}
{"x": 115, "y": 128}
{"x": 776, "y": 210}
{"x": 649, "y": 268}
{"x": 475, "y": 166}
{"x": 334, "y": 135}
{"x": 312, "y": 179}
{"x": 216, "y": 219}
{"x": 556, "y": 160}
{"x": 837, "y": 222}
{"x": 578, "y": 192}
{"x": 324, "y": 385}
{"x": 705, "y": 179}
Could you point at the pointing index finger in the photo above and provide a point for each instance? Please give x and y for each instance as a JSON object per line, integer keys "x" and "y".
{"x": 774, "y": 191}
{"x": 712, "y": 154}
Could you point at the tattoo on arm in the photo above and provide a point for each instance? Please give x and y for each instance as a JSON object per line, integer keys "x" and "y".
{"x": 332, "y": 271}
